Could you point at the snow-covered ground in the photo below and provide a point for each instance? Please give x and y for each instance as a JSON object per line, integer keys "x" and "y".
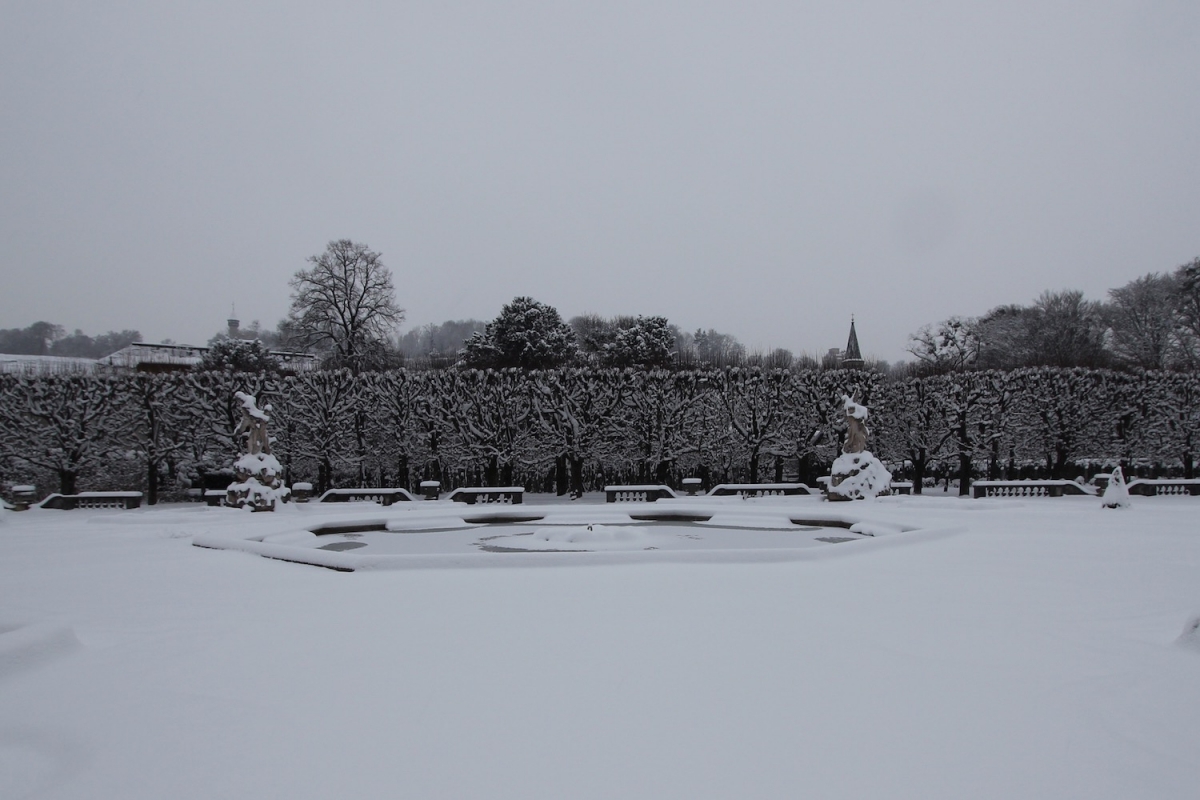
{"x": 1033, "y": 649}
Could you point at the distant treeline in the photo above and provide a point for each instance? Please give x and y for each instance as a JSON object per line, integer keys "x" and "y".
{"x": 573, "y": 430}
{"x": 48, "y": 339}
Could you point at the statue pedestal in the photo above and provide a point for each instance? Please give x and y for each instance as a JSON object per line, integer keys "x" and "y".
{"x": 858, "y": 476}
{"x": 258, "y": 483}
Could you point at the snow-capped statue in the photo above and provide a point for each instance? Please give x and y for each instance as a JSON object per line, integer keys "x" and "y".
{"x": 1116, "y": 493}
{"x": 258, "y": 483}
{"x": 857, "y": 474}
{"x": 856, "y": 428}
{"x": 254, "y": 423}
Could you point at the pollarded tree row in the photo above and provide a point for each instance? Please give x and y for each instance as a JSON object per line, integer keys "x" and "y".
{"x": 572, "y": 430}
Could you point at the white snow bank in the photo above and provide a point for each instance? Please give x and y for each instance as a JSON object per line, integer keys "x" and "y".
{"x": 1029, "y": 658}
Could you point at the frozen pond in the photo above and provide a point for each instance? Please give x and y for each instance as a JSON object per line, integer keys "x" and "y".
{"x": 416, "y": 534}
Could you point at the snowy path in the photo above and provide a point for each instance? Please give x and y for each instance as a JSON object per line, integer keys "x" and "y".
{"x": 1031, "y": 657}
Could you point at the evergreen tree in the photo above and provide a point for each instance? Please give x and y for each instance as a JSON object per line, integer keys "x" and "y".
{"x": 526, "y": 334}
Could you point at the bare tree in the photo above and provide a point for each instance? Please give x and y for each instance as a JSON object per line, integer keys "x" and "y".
{"x": 952, "y": 346}
{"x": 345, "y": 304}
{"x": 1187, "y": 310}
{"x": 1142, "y": 320}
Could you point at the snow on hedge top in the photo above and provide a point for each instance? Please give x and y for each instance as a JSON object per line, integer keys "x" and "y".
{"x": 853, "y": 409}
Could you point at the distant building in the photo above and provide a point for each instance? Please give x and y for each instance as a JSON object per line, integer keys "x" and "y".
{"x": 144, "y": 357}
{"x": 148, "y": 357}
{"x": 46, "y": 365}
{"x": 852, "y": 357}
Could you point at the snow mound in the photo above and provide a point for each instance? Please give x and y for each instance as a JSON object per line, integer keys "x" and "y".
{"x": 259, "y": 464}
{"x": 866, "y": 528}
{"x": 257, "y": 495}
{"x": 26, "y": 646}
{"x": 1190, "y": 638}
{"x": 858, "y": 476}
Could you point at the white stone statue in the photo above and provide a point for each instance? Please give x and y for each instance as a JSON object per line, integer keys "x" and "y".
{"x": 254, "y": 422}
{"x": 259, "y": 483}
{"x": 857, "y": 474}
{"x": 856, "y": 434}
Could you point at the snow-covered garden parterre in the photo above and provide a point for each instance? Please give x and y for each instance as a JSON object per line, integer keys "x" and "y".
{"x": 1043, "y": 648}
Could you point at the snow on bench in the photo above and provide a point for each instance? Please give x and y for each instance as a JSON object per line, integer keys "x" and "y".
{"x": 759, "y": 489}
{"x": 385, "y": 497}
{"x": 637, "y": 494}
{"x": 1034, "y": 488}
{"x": 510, "y": 495}
{"x": 1150, "y": 487}
{"x": 68, "y": 502}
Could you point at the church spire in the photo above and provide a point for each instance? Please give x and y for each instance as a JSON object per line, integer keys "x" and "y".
{"x": 852, "y": 358}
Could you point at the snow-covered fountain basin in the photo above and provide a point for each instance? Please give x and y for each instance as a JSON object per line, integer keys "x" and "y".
{"x": 451, "y": 535}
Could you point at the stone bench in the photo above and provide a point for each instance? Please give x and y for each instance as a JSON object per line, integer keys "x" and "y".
{"x": 508, "y": 495}
{"x": 1151, "y": 487}
{"x": 1046, "y": 488}
{"x": 384, "y": 497}
{"x": 902, "y": 487}
{"x": 68, "y": 502}
{"x": 214, "y": 497}
{"x": 637, "y": 494}
{"x": 759, "y": 489}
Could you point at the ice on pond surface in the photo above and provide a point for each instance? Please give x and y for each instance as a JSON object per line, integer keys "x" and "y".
{"x": 588, "y": 537}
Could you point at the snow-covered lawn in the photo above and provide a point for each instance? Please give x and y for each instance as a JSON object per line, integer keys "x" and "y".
{"x": 1031, "y": 650}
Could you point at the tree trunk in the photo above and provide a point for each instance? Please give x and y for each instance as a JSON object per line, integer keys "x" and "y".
{"x": 491, "y": 472}
{"x": 66, "y": 481}
{"x": 402, "y": 479}
{"x": 1189, "y": 466}
{"x": 778, "y": 469}
{"x": 576, "y": 476}
{"x": 151, "y": 483}
{"x": 662, "y": 474}
{"x": 561, "y": 480}
{"x": 964, "y": 474}
{"x": 753, "y": 467}
{"x": 1060, "y": 464}
{"x": 324, "y": 476}
{"x": 919, "y": 471}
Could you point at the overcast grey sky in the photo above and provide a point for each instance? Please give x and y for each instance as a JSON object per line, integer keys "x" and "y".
{"x": 764, "y": 168}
